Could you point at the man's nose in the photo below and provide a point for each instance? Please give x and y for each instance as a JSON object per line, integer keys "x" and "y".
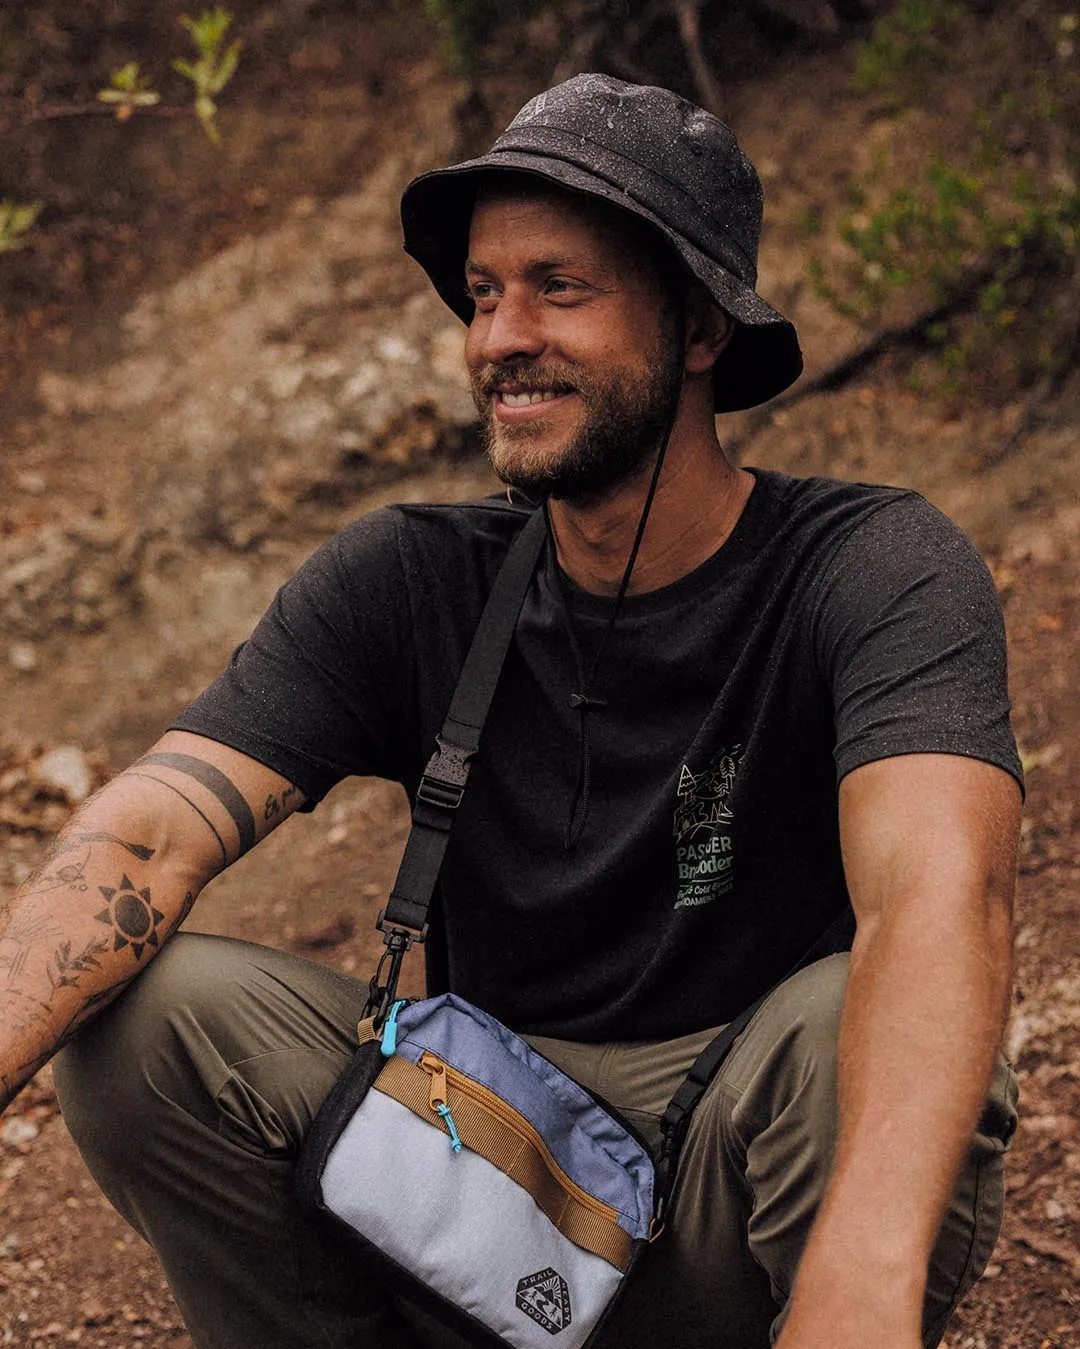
{"x": 512, "y": 331}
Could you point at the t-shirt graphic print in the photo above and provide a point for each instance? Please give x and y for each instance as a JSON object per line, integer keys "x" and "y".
{"x": 704, "y": 835}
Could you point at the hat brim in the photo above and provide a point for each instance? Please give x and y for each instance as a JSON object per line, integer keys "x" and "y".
{"x": 762, "y": 358}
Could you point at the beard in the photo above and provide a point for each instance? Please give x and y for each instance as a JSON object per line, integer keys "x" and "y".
{"x": 623, "y": 420}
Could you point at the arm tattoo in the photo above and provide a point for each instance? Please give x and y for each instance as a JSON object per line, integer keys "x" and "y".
{"x": 66, "y": 969}
{"x": 132, "y": 916}
{"x": 275, "y": 805}
{"x": 215, "y": 782}
{"x": 78, "y": 838}
{"x": 202, "y": 816}
{"x": 71, "y": 874}
{"x": 188, "y": 905}
{"x": 42, "y": 879}
{"x": 18, "y": 935}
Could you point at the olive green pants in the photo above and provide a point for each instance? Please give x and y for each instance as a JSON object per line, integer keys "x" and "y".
{"x": 191, "y": 1096}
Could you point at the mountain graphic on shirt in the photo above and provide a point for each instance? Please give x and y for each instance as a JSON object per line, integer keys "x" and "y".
{"x": 704, "y": 840}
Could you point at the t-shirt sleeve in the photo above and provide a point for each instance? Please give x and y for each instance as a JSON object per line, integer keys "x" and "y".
{"x": 317, "y": 691}
{"x": 910, "y": 638}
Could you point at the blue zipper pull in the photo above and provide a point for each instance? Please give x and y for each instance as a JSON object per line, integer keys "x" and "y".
{"x": 455, "y": 1141}
{"x": 389, "y": 1035}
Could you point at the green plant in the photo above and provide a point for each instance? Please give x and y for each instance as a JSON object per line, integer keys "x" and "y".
{"x": 214, "y": 68}
{"x": 464, "y": 26}
{"x": 986, "y": 237}
{"x": 127, "y": 91}
{"x": 940, "y": 234}
{"x": 16, "y": 218}
{"x": 908, "y": 45}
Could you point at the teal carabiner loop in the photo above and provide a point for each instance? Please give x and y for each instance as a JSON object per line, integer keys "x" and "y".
{"x": 389, "y": 1035}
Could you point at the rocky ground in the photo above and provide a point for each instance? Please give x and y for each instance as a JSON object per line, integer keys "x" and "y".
{"x": 169, "y": 463}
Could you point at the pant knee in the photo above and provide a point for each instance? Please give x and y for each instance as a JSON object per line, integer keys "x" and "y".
{"x": 135, "y": 1056}
{"x": 216, "y": 1035}
{"x": 810, "y": 1004}
{"x": 789, "y": 1049}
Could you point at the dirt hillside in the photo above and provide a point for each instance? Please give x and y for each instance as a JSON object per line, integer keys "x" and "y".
{"x": 177, "y": 440}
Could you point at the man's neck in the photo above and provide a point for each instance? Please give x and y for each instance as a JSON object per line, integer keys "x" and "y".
{"x": 699, "y": 498}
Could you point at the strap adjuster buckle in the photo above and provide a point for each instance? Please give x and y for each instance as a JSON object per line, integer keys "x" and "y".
{"x": 444, "y": 778}
{"x": 398, "y": 938}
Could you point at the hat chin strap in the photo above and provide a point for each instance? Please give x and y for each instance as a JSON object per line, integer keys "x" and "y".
{"x": 584, "y": 700}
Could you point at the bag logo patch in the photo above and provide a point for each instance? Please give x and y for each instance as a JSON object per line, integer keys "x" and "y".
{"x": 545, "y": 1298}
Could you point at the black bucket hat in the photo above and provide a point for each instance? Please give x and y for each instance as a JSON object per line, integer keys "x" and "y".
{"x": 649, "y": 152}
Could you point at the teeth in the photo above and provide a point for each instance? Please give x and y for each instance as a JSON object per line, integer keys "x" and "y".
{"x": 520, "y": 400}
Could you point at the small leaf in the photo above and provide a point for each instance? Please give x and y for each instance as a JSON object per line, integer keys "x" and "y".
{"x": 16, "y": 218}
{"x": 227, "y": 69}
{"x": 128, "y": 90}
{"x": 127, "y": 77}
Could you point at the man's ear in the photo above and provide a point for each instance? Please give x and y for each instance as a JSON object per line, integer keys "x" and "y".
{"x": 708, "y": 331}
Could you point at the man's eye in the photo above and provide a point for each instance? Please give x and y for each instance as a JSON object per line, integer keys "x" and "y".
{"x": 562, "y": 287}
{"x": 479, "y": 291}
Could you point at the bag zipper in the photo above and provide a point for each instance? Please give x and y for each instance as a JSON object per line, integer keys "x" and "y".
{"x": 437, "y": 1098}
{"x": 443, "y": 1077}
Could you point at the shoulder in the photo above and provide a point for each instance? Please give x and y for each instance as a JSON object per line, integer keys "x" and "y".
{"x": 414, "y": 544}
{"x": 488, "y": 525}
{"x": 910, "y": 542}
{"x": 436, "y": 533}
{"x": 908, "y": 635}
{"x": 825, "y": 508}
{"x": 843, "y": 524}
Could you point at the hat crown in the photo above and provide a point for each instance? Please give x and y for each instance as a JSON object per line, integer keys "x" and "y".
{"x": 652, "y": 154}
{"x": 657, "y": 132}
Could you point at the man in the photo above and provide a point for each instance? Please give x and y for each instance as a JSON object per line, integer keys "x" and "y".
{"x": 653, "y": 834}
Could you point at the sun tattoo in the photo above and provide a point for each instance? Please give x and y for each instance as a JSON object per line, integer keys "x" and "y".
{"x": 133, "y": 916}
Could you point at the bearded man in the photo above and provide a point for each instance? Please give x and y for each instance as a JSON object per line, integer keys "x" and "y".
{"x": 736, "y": 704}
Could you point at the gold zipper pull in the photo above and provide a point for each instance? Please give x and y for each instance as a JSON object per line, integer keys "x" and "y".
{"x": 437, "y": 1069}
{"x": 437, "y": 1099}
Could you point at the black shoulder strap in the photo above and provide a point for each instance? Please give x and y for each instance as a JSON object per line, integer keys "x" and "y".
{"x": 442, "y": 785}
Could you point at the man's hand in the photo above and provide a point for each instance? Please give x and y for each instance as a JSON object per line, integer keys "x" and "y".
{"x": 117, "y": 882}
{"x": 929, "y": 844}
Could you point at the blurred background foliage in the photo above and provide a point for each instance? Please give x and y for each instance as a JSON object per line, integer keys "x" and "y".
{"x": 984, "y": 232}
{"x": 966, "y": 239}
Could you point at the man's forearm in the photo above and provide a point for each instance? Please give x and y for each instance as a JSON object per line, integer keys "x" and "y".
{"x": 118, "y": 881}
{"x": 929, "y": 852}
{"x": 81, "y": 928}
{"x": 922, "y": 1020}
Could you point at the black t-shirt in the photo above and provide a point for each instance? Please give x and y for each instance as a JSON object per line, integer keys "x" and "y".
{"x": 838, "y": 624}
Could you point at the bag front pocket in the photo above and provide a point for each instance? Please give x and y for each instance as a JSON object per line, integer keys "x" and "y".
{"x": 496, "y": 1228}
{"x": 473, "y": 1115}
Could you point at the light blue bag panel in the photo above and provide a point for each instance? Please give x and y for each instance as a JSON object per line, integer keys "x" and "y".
{"x": 433, "y": 1214}
{"x": 589, "y": 1146}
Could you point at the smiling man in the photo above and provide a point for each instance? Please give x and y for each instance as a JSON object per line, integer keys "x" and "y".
{"x": 744, "y": 718}
{"x": 573, "y": 352}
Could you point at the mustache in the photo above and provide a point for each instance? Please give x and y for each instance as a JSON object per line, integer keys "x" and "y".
{"x": 517, "y": 378}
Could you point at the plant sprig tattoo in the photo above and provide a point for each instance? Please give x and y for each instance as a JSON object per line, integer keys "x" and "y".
{"x": 65, "y": 969}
